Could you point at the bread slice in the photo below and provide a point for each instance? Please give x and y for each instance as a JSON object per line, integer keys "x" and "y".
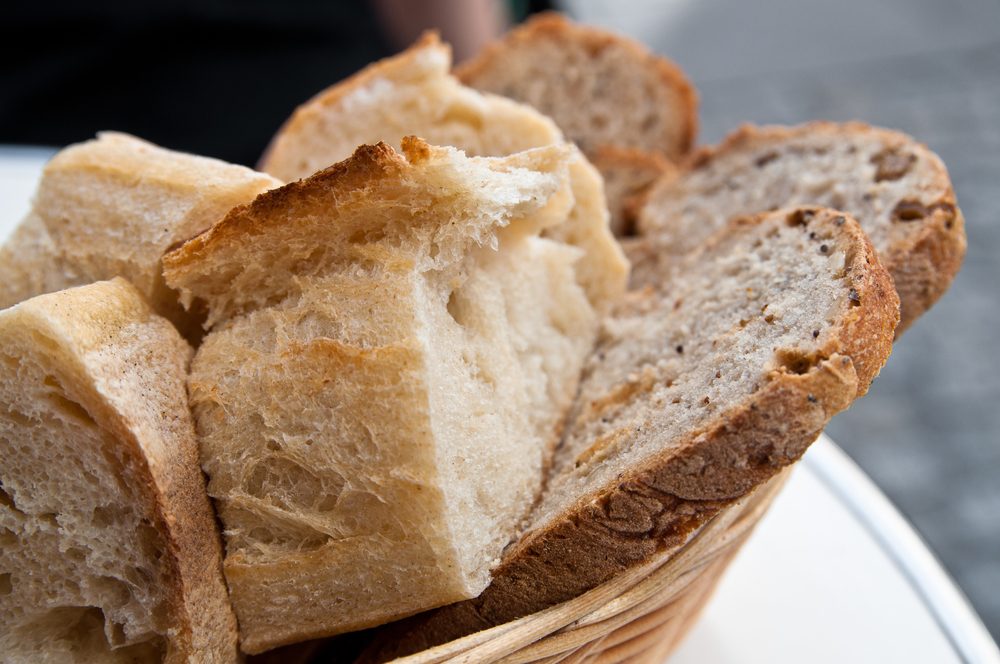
{"x": 628, "y": 174}
{"x": 30, "y": 264}
{"x": 393, "y": 350}
{"x": 697, "y": 392}
{"x": 413, "y": 93}
{"x": 111, "y": 207}
{"x": 600, "y": 88}
{"x": 897, "y": 188}
{"x": 110, "y": 551}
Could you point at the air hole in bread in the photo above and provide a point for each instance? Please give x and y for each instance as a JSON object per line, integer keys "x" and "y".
{"x": 7, "y": 500}
{"x": 455, "y": 308}
{"x": 6, "y": 587}
{"x": 795, "y": 361}
{"x": 909, "y": 211}
{"x": 103, "y": 516}
{"x": 71, "y": 409}
{"x": 891, "y": 164}
{"x": 799, "y": 217}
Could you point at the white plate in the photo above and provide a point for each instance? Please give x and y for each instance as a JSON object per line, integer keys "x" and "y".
{"x": 832, "y": 574}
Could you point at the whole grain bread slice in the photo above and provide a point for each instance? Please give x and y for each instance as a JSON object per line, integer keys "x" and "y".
{"x": 110, "y": 551}
{"x": 896, "y": 187}
{"x": 697, "y": 392}
{"x": 414, "y": 93}
{"x": 601, "y": 88}
{"x": 111, "y": 207}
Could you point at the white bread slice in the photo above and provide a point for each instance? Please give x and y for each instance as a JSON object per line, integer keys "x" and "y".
{"x": 111, "y": 207}
{"x": 413, "y": 93}
{"x": 393, "y": 352}
{"x": 601, "y": 88}
{"x": 110, "y": 551}
{"x": 30, "y": 264}
{"x": 896, "y": 187}
{"x": 696, "y": 393}
{"x": 628, "y": 175}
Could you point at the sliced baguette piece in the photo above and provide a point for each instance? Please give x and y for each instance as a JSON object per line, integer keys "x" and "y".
{"x": 628, "y": 175}
{"x": 393, "y": 350}
{"x": 30, "y": 264}
{"x": 696, "y": 394}
{"x": 601, "y": 88}
{"x": 897, "y": 188}
{"x": 111, "y": 207}
{"x": 110, "y": 551}
{"x": 413, "y": 93}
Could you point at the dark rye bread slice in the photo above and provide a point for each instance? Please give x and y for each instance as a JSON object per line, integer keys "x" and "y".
{"x": 600, "y": 88}
{"x": 696, "y": 393}
{"x": 896, "y": 187}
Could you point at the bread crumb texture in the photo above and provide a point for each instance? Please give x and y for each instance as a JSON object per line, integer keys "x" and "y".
{"x": 392, "y": 352}
{"x": 699, "y": 390}
{"x": 109, "y": 549}
{"x": 413, "y": 93}
{"x": 897, "y": 189}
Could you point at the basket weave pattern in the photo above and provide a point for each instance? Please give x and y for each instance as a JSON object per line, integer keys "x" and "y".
{"x": 638, "y": 617}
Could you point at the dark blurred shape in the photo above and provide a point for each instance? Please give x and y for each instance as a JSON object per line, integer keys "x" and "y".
{"x": 215, "y": 77}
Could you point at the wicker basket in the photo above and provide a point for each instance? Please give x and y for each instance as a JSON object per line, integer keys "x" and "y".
{"x": 639, "y": 616}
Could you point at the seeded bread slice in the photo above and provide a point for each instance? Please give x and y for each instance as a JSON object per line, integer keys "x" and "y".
{"x": 696, "y": 393}
{"x": 897, "y": 189}
{"x": 414, "y": 93}
{"x": 108, "y": 546}
{"x": 600, "y": 88}
{"x": 628, "y": 175}
{"x": 393, "y": 350}
{"x": 111, "y": 207}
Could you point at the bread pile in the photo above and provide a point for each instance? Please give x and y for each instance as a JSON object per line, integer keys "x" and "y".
{"x": 407, "y": 365}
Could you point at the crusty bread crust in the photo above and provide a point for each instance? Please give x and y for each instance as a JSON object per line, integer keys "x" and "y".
{"x": 87, "y": 323}
{"x": 556, "y": 27}
{"x": 656, "y": 506}
{"x": 628, "y": 175}
{"x": 923, "y": 264}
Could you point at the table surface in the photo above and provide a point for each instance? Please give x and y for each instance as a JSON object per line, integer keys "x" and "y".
{"x": 928, "y": 433}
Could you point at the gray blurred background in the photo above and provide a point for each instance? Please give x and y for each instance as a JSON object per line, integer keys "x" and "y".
{"x": 928, "y": 431}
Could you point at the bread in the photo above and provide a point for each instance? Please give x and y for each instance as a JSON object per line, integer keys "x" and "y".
{"x": 111, "y": 207}
{"x": 628, "y": 174}
{"x": 897, "y": 188}
{"x": 109, "y": 547}
{"x": 392, "y": 352}
{"x": 30, "y": 264}
{"x": 413, "y": 93}
{"x": 696, "y": 393}
{"x": 600, "y": 88}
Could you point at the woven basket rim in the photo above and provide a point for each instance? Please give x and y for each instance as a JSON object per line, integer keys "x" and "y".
{"x": 552, "y": 634}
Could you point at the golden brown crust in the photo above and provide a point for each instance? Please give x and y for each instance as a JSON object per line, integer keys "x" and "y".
{"x": 658, "y": 505}
{"x": 557, "y": 27}
{"x": 367, "y": 163}
{"x": 926, "y": 262}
